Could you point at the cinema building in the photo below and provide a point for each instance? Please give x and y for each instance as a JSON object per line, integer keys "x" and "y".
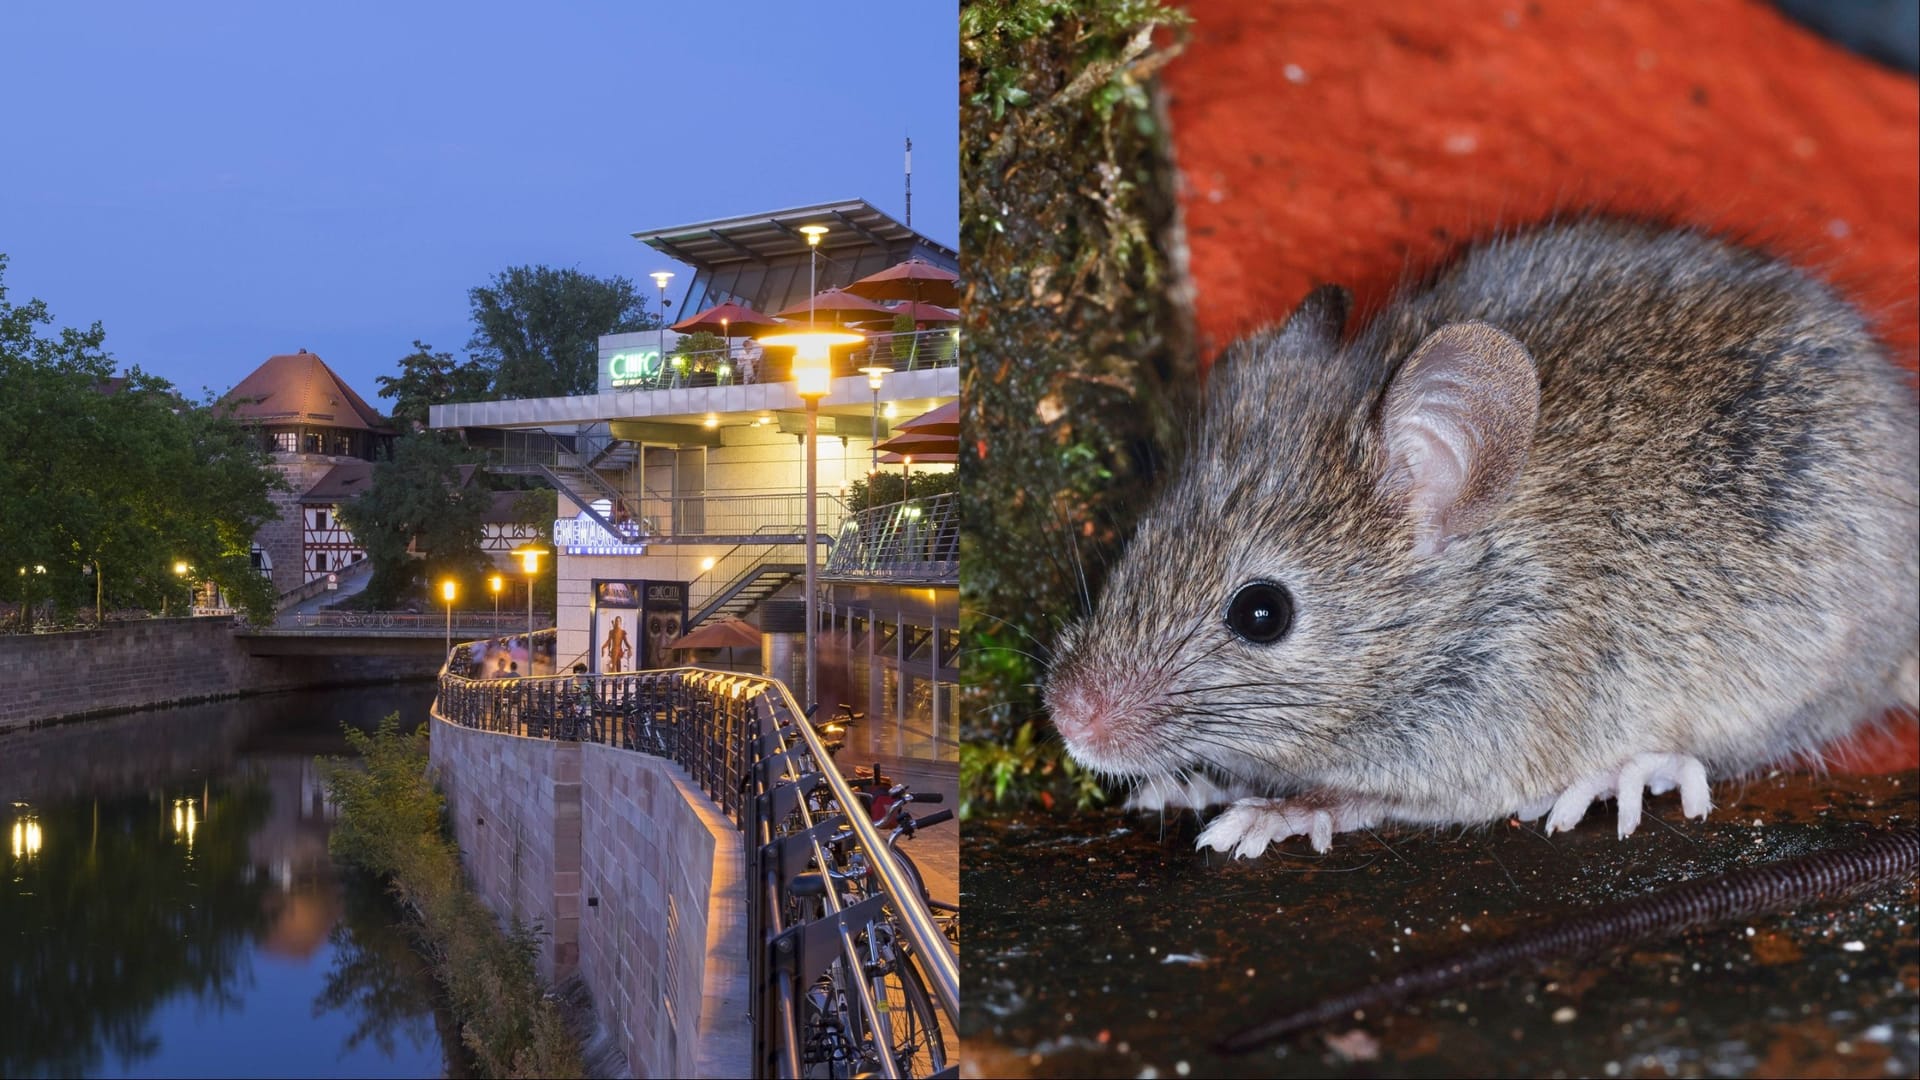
{"x": 681, "y": 484}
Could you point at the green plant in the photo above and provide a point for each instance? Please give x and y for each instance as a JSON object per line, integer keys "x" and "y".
{"x": 699, "y": 351}
{"x": 1076, "y": 380}
{"x": 392, "y": 825}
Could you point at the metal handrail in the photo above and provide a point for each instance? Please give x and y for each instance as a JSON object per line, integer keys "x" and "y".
{"x": 733, "y": 733}
{"x": 506, "y": 623}
{"x": 738, "y": 364}
{"x": 910, "y": 540}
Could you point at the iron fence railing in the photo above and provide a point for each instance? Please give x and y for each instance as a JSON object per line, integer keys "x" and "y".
{"x": 424, "y": 623}
{"x": 745, "y": 362}
{"x": 742, "y": 515}
{"x": 748, "y": 744}
{"x": 912, "y": 540}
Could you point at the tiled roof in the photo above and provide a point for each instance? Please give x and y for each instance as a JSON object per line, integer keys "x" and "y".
{"x": 301, "y": 389}
{"x": 341, "y": 483}
{"x": 501, "y": 512}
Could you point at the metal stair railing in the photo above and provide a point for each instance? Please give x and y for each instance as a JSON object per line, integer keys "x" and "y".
{"x": 911, "y": 540}
{"x": 722, "y": 596}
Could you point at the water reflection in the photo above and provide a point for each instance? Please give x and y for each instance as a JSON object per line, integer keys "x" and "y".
{"x": 169, "y": 906}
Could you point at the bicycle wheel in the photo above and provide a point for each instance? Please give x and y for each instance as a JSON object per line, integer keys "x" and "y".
{"x": 918, "y": 1047}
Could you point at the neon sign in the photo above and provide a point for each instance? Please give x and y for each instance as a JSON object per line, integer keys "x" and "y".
{"x": 584, "y": 536}
{"x": 632, "y": 366}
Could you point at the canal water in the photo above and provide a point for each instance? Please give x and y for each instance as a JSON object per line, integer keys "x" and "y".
{"x": 169, "y": 907}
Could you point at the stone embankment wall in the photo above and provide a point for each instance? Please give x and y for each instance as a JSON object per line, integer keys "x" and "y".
{"x": 147, "y": 664}
{"x": 633, "y": 875}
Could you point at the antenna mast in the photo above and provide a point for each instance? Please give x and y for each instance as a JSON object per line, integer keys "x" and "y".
{"x": 909, "y": 183}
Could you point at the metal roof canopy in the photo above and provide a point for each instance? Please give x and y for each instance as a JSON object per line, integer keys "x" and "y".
{"x": 765, "y": 238}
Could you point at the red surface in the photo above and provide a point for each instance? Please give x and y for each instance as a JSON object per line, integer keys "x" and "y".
{"x": 1348, "y": 142}
{"x": 1405, "y": 126}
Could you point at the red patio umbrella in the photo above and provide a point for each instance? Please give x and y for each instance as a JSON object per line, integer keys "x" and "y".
{"x": 836, "y": 305}
{"x": 727, "y": 633}
{"x": 915, "y": 279}
{"x": 728, "y": 319}
{"x": 944, "y": 420}
{"x": 919, "y": 444}
{"x": 927, "y": 313}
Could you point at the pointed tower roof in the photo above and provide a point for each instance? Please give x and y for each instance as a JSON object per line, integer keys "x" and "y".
{"x": 299, "y": 388}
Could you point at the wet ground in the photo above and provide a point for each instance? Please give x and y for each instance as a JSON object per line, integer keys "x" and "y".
{"x": 1103, "y": 944}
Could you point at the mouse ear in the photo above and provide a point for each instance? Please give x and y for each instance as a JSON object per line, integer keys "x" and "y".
{"x": 1320, "y": 317}
{"x": 1458, "y": 422}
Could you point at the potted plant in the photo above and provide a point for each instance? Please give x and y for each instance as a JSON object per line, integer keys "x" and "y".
{"x": 698, "y": 357}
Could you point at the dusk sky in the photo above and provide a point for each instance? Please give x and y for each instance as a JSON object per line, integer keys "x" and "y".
{"x": 219, "y": 183}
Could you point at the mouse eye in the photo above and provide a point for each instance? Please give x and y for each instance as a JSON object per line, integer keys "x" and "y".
{"x": 1261, "y": 612}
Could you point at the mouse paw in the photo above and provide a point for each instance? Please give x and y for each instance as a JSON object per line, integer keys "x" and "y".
{"x": 1181, "y": 793}
{"x": 1658, "y": 773}
{"x": 1249, "y": 825}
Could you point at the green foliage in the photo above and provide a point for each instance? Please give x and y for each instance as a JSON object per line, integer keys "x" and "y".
{"x": 700, "y": 350}
{"x": 416, "y": 501}
{"x": 1024, "y": 768}
{"x": 886, "y": 488}
{"x": 1079, "y": 371}
{"x": 392, "y": 825}
{"x": 536, "y": 329}
{"x": 430, "y": 378}
{"x": 107, "y": 484}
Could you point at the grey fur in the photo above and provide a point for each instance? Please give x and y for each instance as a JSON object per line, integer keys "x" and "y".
{"x": 1713, "y": 547}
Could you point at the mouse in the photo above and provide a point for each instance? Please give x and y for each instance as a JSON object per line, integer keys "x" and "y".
{"x": 1598, "y": 509}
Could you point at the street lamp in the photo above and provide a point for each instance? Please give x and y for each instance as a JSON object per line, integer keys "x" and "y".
{"x": 812, "y": 376}
{"x": 494, "y": 582}
{"x": 530, "y": 562}
{"x": 660, "y": 278}
{"x": 446, "y": 593}
{"x": 876, "y": 373}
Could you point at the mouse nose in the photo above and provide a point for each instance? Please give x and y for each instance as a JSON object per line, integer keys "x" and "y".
{"x": 1074, "y": 713}
{"x": 1091, "y": 717}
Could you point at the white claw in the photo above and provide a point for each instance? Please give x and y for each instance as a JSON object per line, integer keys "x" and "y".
{"x": 1572, "y": 804}
{"x": 1655, "y": 773}
{"x": 1246, "y": 828}
{"x": 1633, "y": 779}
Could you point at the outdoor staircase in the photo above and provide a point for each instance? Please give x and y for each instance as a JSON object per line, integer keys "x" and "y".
{"x": 577, "y": 476}
{"x": 744, "y": 593}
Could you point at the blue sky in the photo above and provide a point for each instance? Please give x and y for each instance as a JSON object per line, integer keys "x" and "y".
{"x": 216, "y": 183}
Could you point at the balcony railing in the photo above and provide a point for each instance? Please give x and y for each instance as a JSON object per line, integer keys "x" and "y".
{"x": 741, "y": 515}
{"x": 913, "y": 540}
{"x": 748, "y": 744}
{"x": 745, "y": 362}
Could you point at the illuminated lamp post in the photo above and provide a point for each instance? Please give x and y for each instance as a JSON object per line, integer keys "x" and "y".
{"x": 181, "y": 570}
{"x": 660, "y": 278}
{"x": 530, "y": 562}
{"x": 446, "y": 593}
{"x": 812, "y": 376}
{"x": 495, "y": 582}
{"x": 876, "y": 373}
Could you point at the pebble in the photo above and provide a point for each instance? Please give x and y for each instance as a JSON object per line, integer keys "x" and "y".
{"x": 1564, "y": 1014}
{"x": 1855, "y": 946}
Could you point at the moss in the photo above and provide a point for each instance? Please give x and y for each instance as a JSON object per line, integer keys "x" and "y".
{"x": 1078, "y": 357}
{"x": 392, "y": 825}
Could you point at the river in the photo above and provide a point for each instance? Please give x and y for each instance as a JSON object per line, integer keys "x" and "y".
{"x": 169, "y": 907}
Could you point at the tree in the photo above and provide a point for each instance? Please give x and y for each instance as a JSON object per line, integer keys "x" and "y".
{"x": 107, "y": 482}
{"x": 536, "y": 329}
{"x": 416, "y": 505}
{"x": 430, "y": 378}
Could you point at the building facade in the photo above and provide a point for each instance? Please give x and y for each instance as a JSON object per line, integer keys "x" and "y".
{"x": 678, "y": 502}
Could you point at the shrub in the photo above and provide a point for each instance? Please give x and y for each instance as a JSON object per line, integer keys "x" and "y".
{"x": 392, "y": 824}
